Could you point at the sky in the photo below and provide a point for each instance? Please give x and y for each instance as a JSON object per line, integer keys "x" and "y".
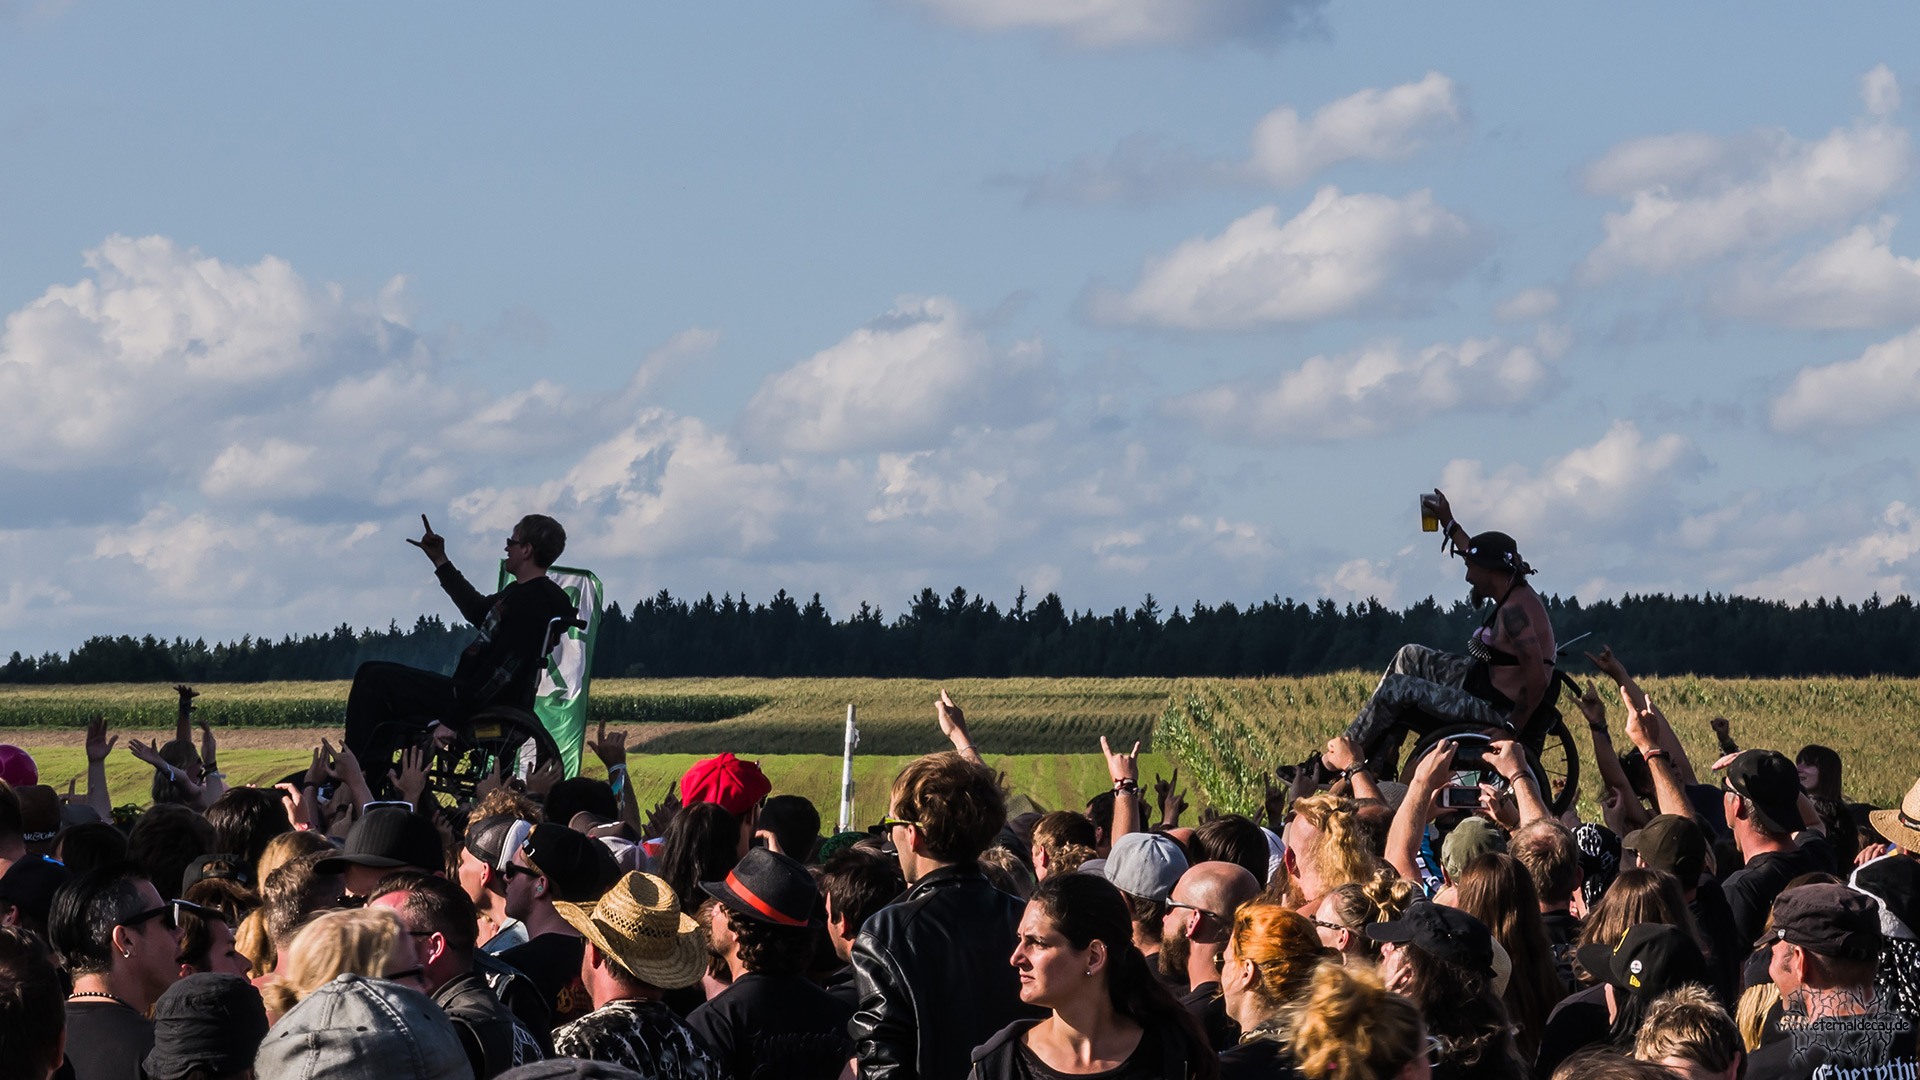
{"x": 1102, "y": 297}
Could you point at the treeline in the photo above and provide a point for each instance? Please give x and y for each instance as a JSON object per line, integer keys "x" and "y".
{"x": 966, "y": 635}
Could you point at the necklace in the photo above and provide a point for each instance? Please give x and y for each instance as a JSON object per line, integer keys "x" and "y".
{"x": 115, "y": 998}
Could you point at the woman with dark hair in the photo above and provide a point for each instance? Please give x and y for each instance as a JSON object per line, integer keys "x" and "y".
{"x": 1442, "y": 959}
{"x": 1107, "y": 1011}
{"x": 702, "y": 843}
{"x": 1820, "y": 773}
{"x": 244, "y": 819}
{"x": 1496, "y": 889}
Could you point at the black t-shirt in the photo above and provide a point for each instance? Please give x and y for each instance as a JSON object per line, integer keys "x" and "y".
{"x": 552, "y": 961}
{"x": 1143, "y": 1064}
{"x": 766, "y": 1026}
{"x": 1257, "y": 1059}
{"x": 1752, "y": 889}
{"x": 1879, "y": 1046}
{"x": 1725, "y": 948}
{"x": 1562, "y": 927}
{"x": 105, "y": 1041}
{"x": 1579, "y": 1021}
{"x": 1208, "y": 1007}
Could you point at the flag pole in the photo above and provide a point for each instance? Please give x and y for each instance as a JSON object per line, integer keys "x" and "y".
{"x": 846, "y": 773}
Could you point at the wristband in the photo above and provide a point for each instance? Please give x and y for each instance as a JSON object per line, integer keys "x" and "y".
{"x": 617, "y": 778}
{"x": 1348, "y": 772}
{"x": 1656, "y": 752}
{"x": 1124, "y": 784}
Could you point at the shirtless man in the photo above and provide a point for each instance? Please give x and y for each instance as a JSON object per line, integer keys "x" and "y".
{"x": 1504, "y": 677}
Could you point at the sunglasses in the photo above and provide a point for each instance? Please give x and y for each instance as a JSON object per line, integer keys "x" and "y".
{"x": 1215, "y": 916}
{"x": 887, "y": 823}
{"x": 168, "y": 912}
{"x": 1435, "y": 1048}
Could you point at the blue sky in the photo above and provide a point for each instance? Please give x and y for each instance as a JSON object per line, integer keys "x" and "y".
{"x": 1102, "y": 296}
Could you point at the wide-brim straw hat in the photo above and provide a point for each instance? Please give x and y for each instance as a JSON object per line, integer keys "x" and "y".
{"x": 1901, "y": 827}
{"x": 639, "y": 923}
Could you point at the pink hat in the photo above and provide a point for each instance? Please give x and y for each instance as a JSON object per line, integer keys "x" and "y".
{"x": 738, "y": 786}
{"x": 17, "y": 767}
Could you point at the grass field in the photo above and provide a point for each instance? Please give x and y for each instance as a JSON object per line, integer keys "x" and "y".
{"x": 1044, "y": 733}
{"x": 1224, "y": 733}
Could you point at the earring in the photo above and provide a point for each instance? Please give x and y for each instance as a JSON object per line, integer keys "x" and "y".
{"x": 1089, "y": 971}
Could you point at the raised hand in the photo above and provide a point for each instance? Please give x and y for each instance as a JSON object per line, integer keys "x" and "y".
{"x": 430, "y": 542}
{"x": 149, "y": 753}
{"x": 495, "y": 779}
{"x": 1643, "y": 727}
{"x": 1171, "y": 800}
{"x": 410, "y": 779}
{"x": 1609, "y": 665}
{"x": 1340, "y": 754}
{"x": 663, "y": 811}
{"x": 1438, "y": 505}
{"x": 1121, "y": 766}
{"x": 610, "y": 749}
{"x": 1436, "y": 767}
{"x": 186, "y": 693}
{"x": 542, "y": 778}
{"x": 98, "y": 745}
{"x": 1592, "y": 707}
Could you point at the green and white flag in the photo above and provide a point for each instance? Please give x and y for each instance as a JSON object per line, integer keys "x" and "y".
{"x": 560, "y": 701}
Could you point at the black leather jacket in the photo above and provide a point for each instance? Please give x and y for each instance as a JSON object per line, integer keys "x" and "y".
{"x": 934, "y": 977}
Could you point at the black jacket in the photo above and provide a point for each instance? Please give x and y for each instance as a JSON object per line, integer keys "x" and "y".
{"x": 934, "y": 977}
{"x": 502, "y": 666}
{"x": 775, "y": 1026}
{"x": 488, "y": 1032}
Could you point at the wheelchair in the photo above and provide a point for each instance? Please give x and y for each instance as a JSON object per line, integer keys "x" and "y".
{"x": 1551, "y": 753}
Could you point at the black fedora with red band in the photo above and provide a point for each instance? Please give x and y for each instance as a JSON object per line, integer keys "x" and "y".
{"x": 768, "y": 888}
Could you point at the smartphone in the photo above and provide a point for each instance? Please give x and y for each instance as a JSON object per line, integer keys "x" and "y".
{"x": 1454, "y": 797}
{"x": 382, "y": 804}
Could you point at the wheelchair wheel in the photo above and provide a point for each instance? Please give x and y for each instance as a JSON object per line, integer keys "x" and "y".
{"x": 501, "y": 734}
{"x": 1555, "y": 763}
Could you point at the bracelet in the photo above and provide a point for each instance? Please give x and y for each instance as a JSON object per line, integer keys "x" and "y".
{"x": 1656, "y": 752}
{"x": 1347, "y": 773}
{"x": 1124, "y": 784}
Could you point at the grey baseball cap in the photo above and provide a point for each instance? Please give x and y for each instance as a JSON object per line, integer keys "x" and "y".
{"x": 1146, "y": 865}
{"x": 355, "y": 1028}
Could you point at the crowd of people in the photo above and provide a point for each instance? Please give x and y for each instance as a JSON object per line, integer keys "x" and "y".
{"x": 1367, "y": 930}
{"x": 1370, "y": 922}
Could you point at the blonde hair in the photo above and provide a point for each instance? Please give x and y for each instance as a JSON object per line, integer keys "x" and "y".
{"x": 1351, "y": 1028}
{"x": 356, "y": 941}
{"x": 1284, "y": 948}
{"x": 1355, "y": 906}
{"x": 1750, "y": 1014}
{"x": 1689, "y": 1023}
{"x": 251, "y": 941}
{"x": 285, "y": 848}
{"x": 1338, "y": 851}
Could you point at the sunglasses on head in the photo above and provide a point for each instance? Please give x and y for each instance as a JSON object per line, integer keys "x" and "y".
{"x": 169, "y": 912}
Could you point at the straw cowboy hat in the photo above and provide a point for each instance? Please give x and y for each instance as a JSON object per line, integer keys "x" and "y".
{"x": 1901, "y": 827}
{"x": 639, "y": 923}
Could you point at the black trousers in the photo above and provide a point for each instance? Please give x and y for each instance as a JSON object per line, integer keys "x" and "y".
{"x": 384, "y": 692}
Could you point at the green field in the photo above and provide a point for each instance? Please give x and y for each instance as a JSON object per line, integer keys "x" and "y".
{"x": 1044, "y": 733}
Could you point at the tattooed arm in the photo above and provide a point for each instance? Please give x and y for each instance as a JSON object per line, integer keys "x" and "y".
{"x": 1525, "y": 642}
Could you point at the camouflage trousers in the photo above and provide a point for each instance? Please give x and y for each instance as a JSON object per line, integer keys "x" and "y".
{"x": 1422, "y": 688}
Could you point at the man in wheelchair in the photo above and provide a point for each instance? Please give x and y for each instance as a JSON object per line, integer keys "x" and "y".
{"x": 503, "y": 664}
{"x": 1506, "y": 676}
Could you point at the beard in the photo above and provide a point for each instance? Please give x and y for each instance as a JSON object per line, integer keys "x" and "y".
{"x": 1174, "y": 950}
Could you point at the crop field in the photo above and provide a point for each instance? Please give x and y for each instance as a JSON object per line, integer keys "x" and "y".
{"x": 1225, "y": 734}
{"x": 1228, "y": 732}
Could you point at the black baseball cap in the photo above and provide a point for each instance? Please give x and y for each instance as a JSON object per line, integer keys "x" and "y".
{"x": 230, "y": 867}
{"x": 30, "y": 884}
{"x": 1649, "y": 959}
{"x": 1446, "y": 933}
{"x": 209, "y": 1021}
{"x": 1494, "y": 550}
{"x": 388, "y": 838}
{"x": 1674, "y": 843}
{"x": 580, "y": 867}
{"x": 1831, "y": 920}
{"x": 1771, "y": 785}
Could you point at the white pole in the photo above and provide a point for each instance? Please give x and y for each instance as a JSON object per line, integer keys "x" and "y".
{"x": 846, "y": 773}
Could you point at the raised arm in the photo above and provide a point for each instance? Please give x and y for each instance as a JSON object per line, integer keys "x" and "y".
{"x": 1124, "y": 771}
{"x": 953, "y": 724}
{"x": 1643, "y": 727}
{"x": 1410, "y": 821}
{"x": 1510, "y": 761}
{"x": 98, "y": 747}
{"x": 1340, "y": 755}
{"x": 1450, "y": 530}
{"x": 183, "y": 717}
{"x": 1636, "y": 698}
{"x": 612, "y": 752}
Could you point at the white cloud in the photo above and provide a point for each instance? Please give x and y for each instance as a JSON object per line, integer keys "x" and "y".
{"x": 1880, "y": 91}
{"x": 1694, "y": 198}
{"x": 1881, "y": 383}
{"x": 901, "y": 383}
{"x": 1360, "y": 579}
{"x": 1528, "y": 304}
{"x": 1376, "y": 125}
{"x": 1341, "y": 255}
{"x": 1854, "y": 282}
{"x": 1621, "y": 481}
{"x": 275, "y": 468}
{"x": 1372, "y": 125}
{"x": 249, "y": 562}
{"x": 1108, "y": 23}
{"x": 1885, "y": 561}
{"x": 1380, "y": 388}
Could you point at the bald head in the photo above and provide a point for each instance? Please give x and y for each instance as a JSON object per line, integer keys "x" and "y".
{"x": 1216, "y": 887}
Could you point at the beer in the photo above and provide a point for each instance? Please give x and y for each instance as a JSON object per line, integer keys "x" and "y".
{"x": 1429, "y": 521}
